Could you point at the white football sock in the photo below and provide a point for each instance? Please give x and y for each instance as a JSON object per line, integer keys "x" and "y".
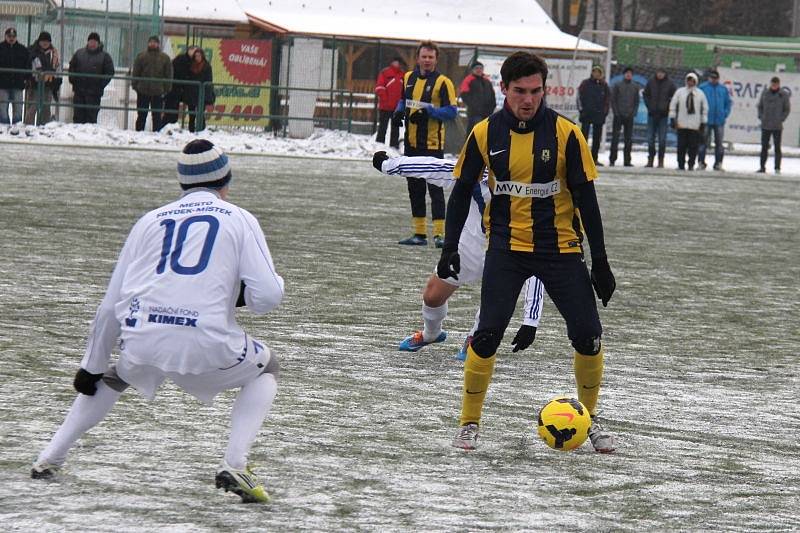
{"x": 249, "y": 411}
{"x": 477, "y": 321}
{"x": 433, "y": 318}
{"x": 85, "y": 413}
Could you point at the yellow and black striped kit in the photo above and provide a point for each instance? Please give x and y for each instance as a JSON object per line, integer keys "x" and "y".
{"x": 432, "y": 90}
{"x": 533, "y": 165}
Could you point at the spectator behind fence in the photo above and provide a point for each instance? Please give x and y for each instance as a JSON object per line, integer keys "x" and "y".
{"x": 657, "y": 95}
{"x": 12, "y": 56}
{"x": 477, "y": 92}
{"x": 719, "y": 107}
{"x": 593, "y": 102}
{"x": 773, "y": 108}
{"x": 88, "y": 91}
{"x": 180, "y": 72}
{"x": 389, "y": 89}
{"x": 199, "y": 70}
{"x": 625, "y": 103}
{"x": 46, "y": 62}
{"x": 155, "y": 64}
{"x": 688, "y": 113}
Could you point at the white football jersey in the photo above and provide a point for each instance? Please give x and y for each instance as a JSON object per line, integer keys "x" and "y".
{"x": 172, "y": 295}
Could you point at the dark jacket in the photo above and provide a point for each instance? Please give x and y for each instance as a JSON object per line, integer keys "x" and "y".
{"x": 152, "y": 64}
{"x": 87, "y": 61}
{"x": 657, "y": 95}
{"x": 14, "y": 56}
{"x": 180, "y": 71}
{"x": 773, "y": 108}
{"x": 625, "y": 98}
{"x": 191, "y": 94}
{"x": 478, "y": 95}
{"x": 45, "y": 61}
{"x": 593, "y": 100}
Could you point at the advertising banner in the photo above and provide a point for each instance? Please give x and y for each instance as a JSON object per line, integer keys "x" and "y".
{"x": 745, "y": 88}
{"x": 563, "y": 78}
{"x": 240, "y": 62}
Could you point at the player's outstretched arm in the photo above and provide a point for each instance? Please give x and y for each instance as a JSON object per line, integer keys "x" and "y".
{"x": 435, "y": 171}
{"x": 263, "y": 287}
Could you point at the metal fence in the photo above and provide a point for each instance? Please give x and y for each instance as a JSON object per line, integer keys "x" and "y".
{"x": 278, "y": 108}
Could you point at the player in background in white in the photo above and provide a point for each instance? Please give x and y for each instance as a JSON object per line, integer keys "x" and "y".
{"x": 472, "y": 250}
{"x": 171, "y": 299}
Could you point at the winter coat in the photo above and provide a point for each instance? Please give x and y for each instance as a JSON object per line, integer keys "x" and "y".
{"x": 719, "y": 103}
{"x": 657, "y": 95}
{"x": 180, "y": 71}
{"x": 152, "y": 64}
{"x": 14, "y": 56}
{"x": 478, "y": 95}
{"x": 191, "y": 93}
{"x": 389, "y": 88}
{"x": 86, "y": 61}
{"x": 625, "y": 99}
{"x": 593, "y": 100}
{"x": 45, "y": 61}
{"x": 678, "y": 109}
{"x": 773, "y": 108}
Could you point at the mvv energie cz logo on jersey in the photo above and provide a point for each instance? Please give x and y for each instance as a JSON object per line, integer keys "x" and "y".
{"x": 528, "y": 190}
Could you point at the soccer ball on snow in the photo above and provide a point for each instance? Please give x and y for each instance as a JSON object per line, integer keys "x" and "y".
{"x": 564, "y": 423}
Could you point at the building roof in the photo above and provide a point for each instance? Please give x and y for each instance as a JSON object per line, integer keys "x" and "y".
{"x": 508, "y": 24}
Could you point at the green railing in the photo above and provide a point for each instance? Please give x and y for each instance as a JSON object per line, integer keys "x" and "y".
{"x": 267, "y": 107}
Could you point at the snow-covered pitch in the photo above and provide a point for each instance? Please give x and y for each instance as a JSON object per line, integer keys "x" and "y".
{"x": 701, "y": 383}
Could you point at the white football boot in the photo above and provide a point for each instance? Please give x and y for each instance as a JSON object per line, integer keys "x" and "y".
{"x": 467, "y": 437}
{"x": 602, "y": 440}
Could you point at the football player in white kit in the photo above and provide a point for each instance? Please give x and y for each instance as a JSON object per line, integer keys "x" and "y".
{"x": 183, "y": 269}
{"x": 471, "y": 249}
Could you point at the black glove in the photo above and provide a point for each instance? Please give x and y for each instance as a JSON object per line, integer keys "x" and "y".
{"x": 378, "y": 158}
{"x": 85, "y": 382}
{"x": 523, "y": 338}
{"x": 603, "y": 279}
{"x": 672, "y": 123}
{"x": 398, "y": 117}
{"x": 449, "y": 264}
{"x": 419, "y": 117}
{"x": 240, "y": 300}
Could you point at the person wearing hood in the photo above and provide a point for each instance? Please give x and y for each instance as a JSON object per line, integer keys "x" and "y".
{"x": 156, "y": 68}
{"x": 657, "y": 95}
{"x": 46, "y": 62}
{"x": 625, "y": 103}
{"x": 389, "y": 90}
{"x": 594, "y": 100}
{"x": 719, "y": 107}
{"x": 688, "y": 114}
{"x": 773, "y": 109}
{"x": 88, "y": 90}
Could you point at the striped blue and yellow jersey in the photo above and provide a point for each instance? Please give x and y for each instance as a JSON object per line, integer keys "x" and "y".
{"x": 533, "y": 166}
{"x": 431, "y": 90}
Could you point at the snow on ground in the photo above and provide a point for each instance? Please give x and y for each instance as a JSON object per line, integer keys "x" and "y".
{"x": 329, "y": 144}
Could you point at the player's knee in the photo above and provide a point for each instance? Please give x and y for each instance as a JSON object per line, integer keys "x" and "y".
{"x": 112, "y": 379}
{"x": 273, "y": 367}
{"x": 485, "y": 342}
{"x": 587, "y": 345}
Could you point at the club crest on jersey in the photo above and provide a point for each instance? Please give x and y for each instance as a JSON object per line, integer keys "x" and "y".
{"x": 133, "y": 310}
{"x": 545, "y": 155}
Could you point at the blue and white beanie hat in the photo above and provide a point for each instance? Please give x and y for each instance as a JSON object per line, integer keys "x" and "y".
{"x": 201, "y": 164}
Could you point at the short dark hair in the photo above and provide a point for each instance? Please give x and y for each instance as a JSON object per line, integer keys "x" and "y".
{"x": 775, "y": 79}
{"x": 521, "y": 64}
{"x": 428, "y": 44}
{"x": 628, "y": 69}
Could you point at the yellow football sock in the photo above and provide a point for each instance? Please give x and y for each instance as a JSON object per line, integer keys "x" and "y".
{"x": 420, "y": 225}
{"x": 477, "y": 375}
{"x": 438, "y": 226}
{"x": 588, "y": 375}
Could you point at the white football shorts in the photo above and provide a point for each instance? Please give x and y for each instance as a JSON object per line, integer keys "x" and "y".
{"x": 472, "y": 252}
{"x": 251, "y": 364}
